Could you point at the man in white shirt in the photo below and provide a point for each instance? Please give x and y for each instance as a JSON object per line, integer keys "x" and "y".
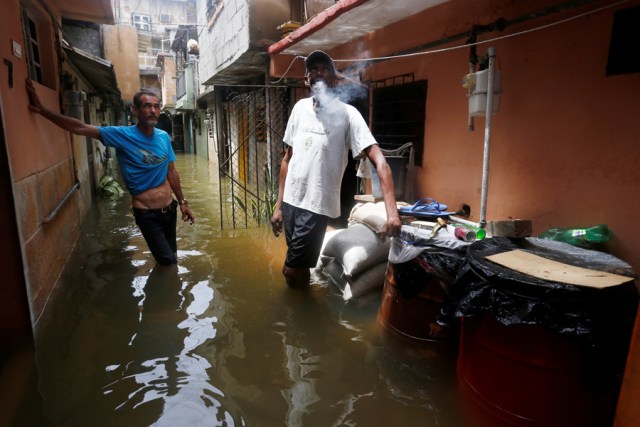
{"x": 320, "y": 132}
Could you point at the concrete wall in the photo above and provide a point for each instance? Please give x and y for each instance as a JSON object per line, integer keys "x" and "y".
{"x": 168, "y": 82}
{"x": 121, "y": 49}
{"x": 239, "y": 25}
{"x": 200, "y": 135}
{"x": 265, "y": 17}
{"x": 84, "y": 36}
{"x": 221, "y": 43}
{"x": 206, "y": 42}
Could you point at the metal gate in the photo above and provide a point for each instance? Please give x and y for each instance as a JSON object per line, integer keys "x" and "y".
{"x": 250, "y": 124}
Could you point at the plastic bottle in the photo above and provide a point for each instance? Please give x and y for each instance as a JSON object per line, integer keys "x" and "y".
{"x": 480, "y": 233}
{"x": 583, "y": 237}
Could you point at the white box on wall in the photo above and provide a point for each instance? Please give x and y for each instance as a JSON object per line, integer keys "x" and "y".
{"x": 478, "y": 95}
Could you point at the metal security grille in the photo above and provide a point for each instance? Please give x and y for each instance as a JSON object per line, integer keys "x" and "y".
{"x": 398, "y": 112}
{"x": 250, "y": 126}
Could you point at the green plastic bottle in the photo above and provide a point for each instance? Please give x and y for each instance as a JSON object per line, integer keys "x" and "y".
{"x": 582, "y": 237}
{"x": 468, "y": 233}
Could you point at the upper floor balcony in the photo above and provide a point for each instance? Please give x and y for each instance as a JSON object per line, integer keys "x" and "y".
{"x": 186, "y": 88}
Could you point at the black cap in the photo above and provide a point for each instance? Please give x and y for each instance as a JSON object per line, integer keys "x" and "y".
{"x": 318, "y": 55}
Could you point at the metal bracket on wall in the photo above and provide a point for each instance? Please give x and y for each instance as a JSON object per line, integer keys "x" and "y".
{"x": 9, "y": 65}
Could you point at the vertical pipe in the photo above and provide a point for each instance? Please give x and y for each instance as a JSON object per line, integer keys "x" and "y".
{"x": 470, "y": 126}
{"x": 218, "y": 116}
{"x": 487, "y": 137}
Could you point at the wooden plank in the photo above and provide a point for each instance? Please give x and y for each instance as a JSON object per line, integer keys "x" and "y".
{"x": 554, "y": 271}
{"x": 509, "y": 228}
{"x": 367, "y": 198}
{"x": 425, "y": 225}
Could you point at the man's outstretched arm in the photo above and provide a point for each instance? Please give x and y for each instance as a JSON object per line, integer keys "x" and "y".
{"x": 67, "y": 123}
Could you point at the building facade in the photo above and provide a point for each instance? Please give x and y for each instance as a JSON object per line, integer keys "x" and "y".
{"x": 563, "y": 144}
{"x": 141, "y": 44}
{"x": 49, "y": 175}
{"x": 242, "y": 113}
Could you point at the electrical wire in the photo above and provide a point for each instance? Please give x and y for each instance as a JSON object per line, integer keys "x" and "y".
{"x": 466, "y": 45}
{"x": 492, "y": 40}
{"x": 295, "y": 58}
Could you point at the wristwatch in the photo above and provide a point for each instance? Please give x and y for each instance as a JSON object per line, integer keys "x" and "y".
{"x": 183, "y": 202}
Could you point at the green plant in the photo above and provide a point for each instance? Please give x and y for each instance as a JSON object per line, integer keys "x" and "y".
{"x": 262, "y": 209}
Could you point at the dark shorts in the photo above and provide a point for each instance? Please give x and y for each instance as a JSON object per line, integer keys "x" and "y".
{"x": 158, "y": 226}
{"x": 304, "y": 231}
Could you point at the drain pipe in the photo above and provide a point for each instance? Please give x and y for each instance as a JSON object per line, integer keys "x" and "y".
{"x": 491, "y": 52}
{"x": 473, "y": 60}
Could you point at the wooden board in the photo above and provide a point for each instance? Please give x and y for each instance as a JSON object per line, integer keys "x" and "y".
{"x": 367, "y": 198}
{"x": 555, "y": 271}
{"x": 509, "y": 228}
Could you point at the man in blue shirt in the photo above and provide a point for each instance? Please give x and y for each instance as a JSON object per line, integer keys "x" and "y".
{"x": 146, "y": 162}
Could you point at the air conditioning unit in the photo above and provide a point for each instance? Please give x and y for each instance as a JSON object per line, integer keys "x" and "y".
{"x": 164, "y": 18}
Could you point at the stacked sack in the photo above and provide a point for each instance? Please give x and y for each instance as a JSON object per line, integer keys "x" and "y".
{"x": 355, "y": 259}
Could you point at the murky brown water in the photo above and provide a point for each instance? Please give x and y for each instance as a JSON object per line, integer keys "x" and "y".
{"x": 220, "y": 340}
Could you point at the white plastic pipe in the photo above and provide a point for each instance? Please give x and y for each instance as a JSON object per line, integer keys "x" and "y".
{"x": 487, "y": 138}
{"x": 464, "y": 221}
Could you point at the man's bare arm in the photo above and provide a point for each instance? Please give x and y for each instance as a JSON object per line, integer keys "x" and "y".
{"x": 174, "y": 181}
{"x": 67, "y": 123}
{"x": 393, "y": 224}
{"x": 276, "y": 215}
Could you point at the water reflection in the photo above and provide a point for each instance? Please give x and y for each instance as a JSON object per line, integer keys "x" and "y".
{"x": 306, "y": 359}
{"x": 219, "y": 339}
{"x": 162, "y": 363}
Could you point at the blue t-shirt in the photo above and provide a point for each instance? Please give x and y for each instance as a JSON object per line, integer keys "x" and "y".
{"x": 144, "y": 160}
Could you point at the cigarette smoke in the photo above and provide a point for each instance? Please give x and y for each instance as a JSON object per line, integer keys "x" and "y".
{"x": 346, "y": 92}
{"x": 349, "y": 87}
{"x": 324, "y": 96}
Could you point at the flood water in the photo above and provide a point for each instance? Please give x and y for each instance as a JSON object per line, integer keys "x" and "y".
{"x": 220, "y": 340}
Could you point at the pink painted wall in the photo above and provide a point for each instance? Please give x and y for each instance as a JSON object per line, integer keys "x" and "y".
{"x": 40, "y": 157}
{"x": 564, "y": 147}
{"x": 45, "y": 161}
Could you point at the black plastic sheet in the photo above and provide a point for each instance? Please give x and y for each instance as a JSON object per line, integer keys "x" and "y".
{"x": 432, "y": 264}
{"x": 517, "y": 298}
{"x": 601, "y": 320}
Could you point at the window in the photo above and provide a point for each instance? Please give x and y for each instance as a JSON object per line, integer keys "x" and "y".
{"x": 625, "y": 33}
{"x": 209, "y": 122}
{"x": 141, "y": 22}
{"x": 38, "y": 44}
{"x": 213, "y": 10}
{"x": 398, "y": 113}
{"x": 33, "y": 48}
